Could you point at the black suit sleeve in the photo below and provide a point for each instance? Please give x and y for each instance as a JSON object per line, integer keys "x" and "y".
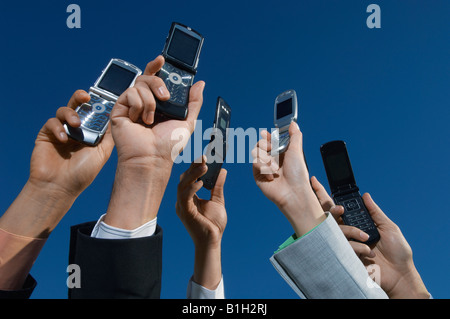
{"x": 24, "y": 293}
{"x": 116, "y": 268}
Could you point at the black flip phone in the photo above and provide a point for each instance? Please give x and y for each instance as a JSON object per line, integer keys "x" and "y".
{"x": 181, "y": 53}
{"x": 344, "y": 190}
{"x": 217, "y": 147}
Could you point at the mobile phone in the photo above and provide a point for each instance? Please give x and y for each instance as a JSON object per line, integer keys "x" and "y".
{"x": 285, "y": 111}
{"x": 181, "y": 53}
{"x": 217, "y": 148}
{"x": 94, "y": 115}
{"x": 344, "y": 190}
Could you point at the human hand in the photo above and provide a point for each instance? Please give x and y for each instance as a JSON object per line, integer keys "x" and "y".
{"x": 145, "y": 142}
{"x": 286, "y": 183}
{"x": 398, "y": 276}
{"x": 205, "y": 221}
{"x": 336, "y": 211}
{"x": 60, "y": 169}
{"x": 392, "y": 253}
{"x": 64, "y": 163}
{"x": 140, "y": 134}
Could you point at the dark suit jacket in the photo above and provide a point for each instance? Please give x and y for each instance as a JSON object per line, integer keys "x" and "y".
{"x": 24, "y": 293}
{"x": 115, "y": 268}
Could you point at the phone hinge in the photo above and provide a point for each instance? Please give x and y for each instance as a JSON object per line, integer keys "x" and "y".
{"x": 104, "y": 94}
{"x": 344, "y": 190}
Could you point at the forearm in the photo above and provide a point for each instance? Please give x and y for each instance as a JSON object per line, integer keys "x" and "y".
{"x": 24, "y": 228}
{"x": 303, "y": 210}
{"x": 208, "y": 267}
{"x": 137, "y": 194}
{"x": 36, "y": 211}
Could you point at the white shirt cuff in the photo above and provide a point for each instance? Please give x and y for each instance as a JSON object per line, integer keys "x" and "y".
{"x": 195, "y": 291}
{"x": 105, "y": 231}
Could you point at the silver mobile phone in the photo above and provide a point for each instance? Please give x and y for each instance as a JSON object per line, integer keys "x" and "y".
{"x": 94, "y": 115}
{"x": 285, "y": 111}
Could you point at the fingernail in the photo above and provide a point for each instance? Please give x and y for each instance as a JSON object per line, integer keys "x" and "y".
{"x": 163, "y": 91}
{"x": 363, "y": 236}
{"x": 150, "y": 117}
{"x": 274, "y": 166}
{"x": 75, "y": 119}
{"x": 63, "y": 135}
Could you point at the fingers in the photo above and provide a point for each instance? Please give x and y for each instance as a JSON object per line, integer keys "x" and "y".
{"x": 322, "y": 195}
{"x": 64, "y": 114}
{"x": 54, "y": 127}
{"x": 155, "y": 84}
{"x": 189, "y": 185}
{"x": 78, "y": 98}
{"x": 154, "y": 66}
{"x": 263, "y": 162}
{"x": 267, "y": 136}
{"x": 362, "y": 250}
{"x": 265, "y": 142}
{"x": 378, "y": 216}
{"x": 353, "y": 233}
{"x": 337, "y": 211}
{"x": 217, "y": 193}
{"x": 195, "y": 103}
{"x": 139, "y": 102}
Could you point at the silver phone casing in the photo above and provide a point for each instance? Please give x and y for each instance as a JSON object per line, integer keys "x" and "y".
{"x": 83, "y": 133}
{"x": 282, "y": 125}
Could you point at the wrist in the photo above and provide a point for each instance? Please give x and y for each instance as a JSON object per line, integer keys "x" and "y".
{"x": 144, "y": 161}
{"x": 303, "y": 210}
{"x": 37, "y": 210}
{"x": 208, "y": 266}
{"x": 137, "y": 193}
{"x": 410, "y": 286}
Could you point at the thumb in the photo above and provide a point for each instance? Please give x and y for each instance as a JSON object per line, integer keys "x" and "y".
{"x": 378, "y": 216}
{"x": 217, "y": 193}
{"x": 296, "y": 137}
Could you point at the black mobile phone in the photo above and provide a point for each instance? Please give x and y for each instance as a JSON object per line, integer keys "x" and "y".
{"x": 217, "y": 147}
{"x": 344, "y": 190}
{"x": 181, "y": 53}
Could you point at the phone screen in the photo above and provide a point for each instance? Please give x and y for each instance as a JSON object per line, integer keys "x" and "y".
{"x": 339, "y": 170}
{"x": 223, "y": 124}
{"x": 183, "y": 47}
{"x": 116, "y": 79}
{"x": 284, "y": 108}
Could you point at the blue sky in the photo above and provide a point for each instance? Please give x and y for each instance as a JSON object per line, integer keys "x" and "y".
{"x": 384, "y": 91}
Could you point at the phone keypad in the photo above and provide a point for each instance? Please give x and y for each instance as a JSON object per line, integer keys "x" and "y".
{"x": 95, "y": 114}
{"x": 279, "y": 140}
{"x": 284, "y": 138}
{"x": 355, "y": 215}
{"x": 178, "y": 83}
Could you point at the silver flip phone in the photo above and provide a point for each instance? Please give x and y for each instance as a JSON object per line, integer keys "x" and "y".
{"x": 285, "y": 111}
{"x": 94, "y": 115}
